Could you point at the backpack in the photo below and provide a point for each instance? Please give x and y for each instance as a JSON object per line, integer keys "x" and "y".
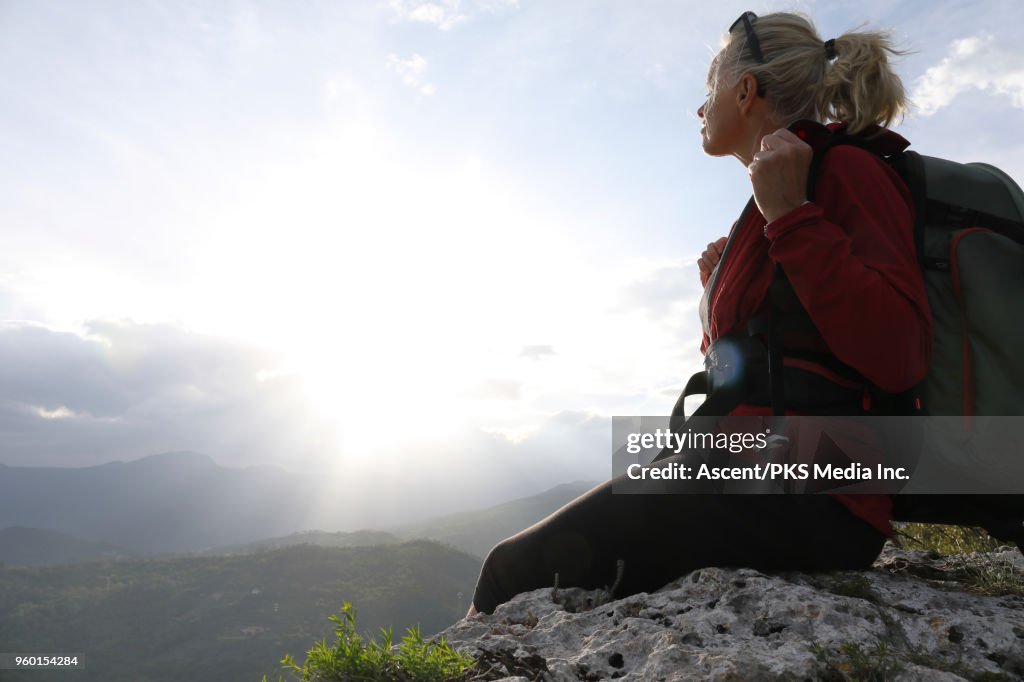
{"x": 969, "y": 233}
{"x": 969, "y": 236}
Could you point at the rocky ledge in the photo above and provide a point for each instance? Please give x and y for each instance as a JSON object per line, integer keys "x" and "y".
{"x": 913, "y": 616}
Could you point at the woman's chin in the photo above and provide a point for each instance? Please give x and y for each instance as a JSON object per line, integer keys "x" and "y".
{"x": 708, "y": 148}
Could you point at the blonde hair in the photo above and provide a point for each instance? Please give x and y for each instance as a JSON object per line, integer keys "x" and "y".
{"x": 798, "y": 78}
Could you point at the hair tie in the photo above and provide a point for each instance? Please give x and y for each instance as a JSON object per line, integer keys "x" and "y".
{"x": 830, "y": 49}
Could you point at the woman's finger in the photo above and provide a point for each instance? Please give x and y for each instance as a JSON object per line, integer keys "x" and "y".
{"x": 720, "y": 245}
{"x": 785, "y": 136}
{"x": 711, "y": 257}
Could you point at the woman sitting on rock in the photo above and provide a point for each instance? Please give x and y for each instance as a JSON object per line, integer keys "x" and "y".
{"x": 849, "y": 257}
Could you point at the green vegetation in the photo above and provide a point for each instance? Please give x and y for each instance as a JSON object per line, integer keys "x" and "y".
{"x": 851, "y": 584}
{"x": 944, "y": 539}
{"x": 853, "y": 663}
{"x": 311, "y": 537}
{"x": 875, "y": 665}
{"x": 994, "y": 577}
{"x": 350, "y": 659}
{"x": 20, "y": 546}
{"x": 966, "y": 548}
{"x": 210, "y": 619}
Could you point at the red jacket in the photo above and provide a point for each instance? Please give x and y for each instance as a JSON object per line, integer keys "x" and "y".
{"x": 851, "y": 260}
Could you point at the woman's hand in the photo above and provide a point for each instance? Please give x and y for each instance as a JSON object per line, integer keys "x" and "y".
{"x": 709, "y": 259}
{"x": 779, "y": 173}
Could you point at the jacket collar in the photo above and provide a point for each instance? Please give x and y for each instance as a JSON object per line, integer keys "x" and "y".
{"x": 875, "y": 139}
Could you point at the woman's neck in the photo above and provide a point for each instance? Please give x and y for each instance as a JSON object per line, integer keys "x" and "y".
{"x": 752, "y": 142}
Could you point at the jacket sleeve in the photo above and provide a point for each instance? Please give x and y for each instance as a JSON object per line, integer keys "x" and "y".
{"x": 851, "y": 260}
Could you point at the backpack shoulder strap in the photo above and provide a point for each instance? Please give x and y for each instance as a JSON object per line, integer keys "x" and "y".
{"x": 911, "y": 169}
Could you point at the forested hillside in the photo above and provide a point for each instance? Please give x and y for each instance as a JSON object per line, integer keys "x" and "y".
{"x": 212, "y": 619}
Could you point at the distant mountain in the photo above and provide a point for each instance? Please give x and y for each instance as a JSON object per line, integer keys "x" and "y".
{"x": 210, "y": 619}
{"x": 183, "y": 502}
{"x": 317, "y": 538}
{"x": 473, "y": 532}
{"x": 173, "y": 502}
{"x": 20, "y": 546}
{"x": 477, "y": 532}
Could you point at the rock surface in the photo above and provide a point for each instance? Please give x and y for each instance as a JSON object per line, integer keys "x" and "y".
{"x": 911, "y": 617}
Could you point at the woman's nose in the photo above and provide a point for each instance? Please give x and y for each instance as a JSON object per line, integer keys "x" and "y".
{"x": 700, "y": 112}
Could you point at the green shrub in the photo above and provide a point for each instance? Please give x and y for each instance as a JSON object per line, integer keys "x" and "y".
{"x": 877, "y": 664}
{"x": 967, "y": 548}
{"x": 945, "y": 539}
{"x": 350, "y": 659}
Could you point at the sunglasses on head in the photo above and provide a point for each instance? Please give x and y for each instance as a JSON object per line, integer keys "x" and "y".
{"x": 747, "y": 20}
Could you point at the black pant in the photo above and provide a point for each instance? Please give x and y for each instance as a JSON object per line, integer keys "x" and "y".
{"x": 661, "y": 537}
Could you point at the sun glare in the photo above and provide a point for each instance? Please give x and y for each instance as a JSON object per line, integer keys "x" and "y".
{"x": 395, "y": 293}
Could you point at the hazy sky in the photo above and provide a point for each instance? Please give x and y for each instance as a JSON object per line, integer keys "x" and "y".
{"x": 340, "y": 235}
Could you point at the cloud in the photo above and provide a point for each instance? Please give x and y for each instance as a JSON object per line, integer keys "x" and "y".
{"x": 411, "y": 71}
{"x": 125, "y": 390}
{"x": 665, "y": 292}
{"x": 59, "y": 413}
{"x": 446, "y": 14}
{"x": 537, "y": 352}
{"x": 496, "y": 389}
{"x": 978, "y": 62}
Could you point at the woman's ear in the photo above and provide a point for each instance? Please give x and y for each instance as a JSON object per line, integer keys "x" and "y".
{"x": 746, "y": 93}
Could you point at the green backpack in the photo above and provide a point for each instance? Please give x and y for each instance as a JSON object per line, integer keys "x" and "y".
{"x": 969, "y": 234}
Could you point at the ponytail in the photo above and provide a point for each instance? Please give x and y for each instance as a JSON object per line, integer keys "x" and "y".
{"x": 859, "y": 86}
{"x": 848, "y": 79}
